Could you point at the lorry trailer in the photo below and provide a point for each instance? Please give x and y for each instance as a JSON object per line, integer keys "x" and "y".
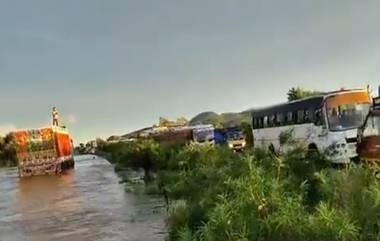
{"x": 43, "y": 151}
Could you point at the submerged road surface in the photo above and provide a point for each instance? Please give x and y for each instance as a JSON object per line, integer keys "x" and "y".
{"x": 88, "y": 203}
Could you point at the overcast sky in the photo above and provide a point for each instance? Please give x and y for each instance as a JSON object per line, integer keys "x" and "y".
{"x": 117, "y": 65}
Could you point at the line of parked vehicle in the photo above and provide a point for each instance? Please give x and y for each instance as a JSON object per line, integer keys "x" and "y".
{"x": 233, "y": 137}
{"x": 343, "y": 124}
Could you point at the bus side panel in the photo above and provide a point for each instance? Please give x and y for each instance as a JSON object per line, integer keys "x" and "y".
{"x": 264, "y": 137}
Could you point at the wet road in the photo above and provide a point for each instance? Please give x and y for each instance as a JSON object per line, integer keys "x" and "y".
{"x": 86, "y": 204}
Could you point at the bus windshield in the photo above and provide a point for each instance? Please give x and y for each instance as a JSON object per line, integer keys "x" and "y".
{"x": 347, "y": 111}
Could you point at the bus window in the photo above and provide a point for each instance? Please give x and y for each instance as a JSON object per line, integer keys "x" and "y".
{"x": 257, "y": 123}
{"x": 270, "y": 120}
{"x": 300, "y": 118}
{"x": 289, "y": 117}
{"x": 318, "y": 117}
{"x": 261, "y": 124}
{"x": 294, "y": 117}
{"x": 273, "y": 120}
{"x": 306, "y": 116}
{"x": 265, "y": 121}
{"x": 280, "y": 119}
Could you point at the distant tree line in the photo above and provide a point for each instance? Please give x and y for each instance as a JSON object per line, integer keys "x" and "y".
{"x": 91, "y": 147}
{"x": 297, "y": 93}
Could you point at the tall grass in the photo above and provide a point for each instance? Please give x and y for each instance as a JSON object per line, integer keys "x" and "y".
{"x": 218, "y": 195}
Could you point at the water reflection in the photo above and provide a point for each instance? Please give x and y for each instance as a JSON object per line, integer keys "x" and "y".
{"x": 87, "y": 203}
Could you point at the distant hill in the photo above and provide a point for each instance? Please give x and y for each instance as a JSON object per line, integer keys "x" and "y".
{"x": 208, "y": 117}
{"x": 221, "y": 120}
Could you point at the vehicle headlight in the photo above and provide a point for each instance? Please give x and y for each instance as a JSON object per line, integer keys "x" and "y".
{"x": 243, "y": 143}
{"x": 230, "y": 145}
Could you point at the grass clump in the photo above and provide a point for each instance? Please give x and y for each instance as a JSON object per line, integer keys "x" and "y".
{"x": 218, "y": 195}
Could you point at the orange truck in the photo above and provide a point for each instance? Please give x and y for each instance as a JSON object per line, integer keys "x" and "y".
{"x": 44, "y": 151}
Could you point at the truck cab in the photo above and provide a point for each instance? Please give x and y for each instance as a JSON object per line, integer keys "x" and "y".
{"x": 203, "y": 135}
{"x": 368, "y": 147}
{"x": 236, "y": 139}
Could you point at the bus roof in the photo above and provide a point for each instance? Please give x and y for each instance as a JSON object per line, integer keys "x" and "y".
{"x": 311, "y": 102}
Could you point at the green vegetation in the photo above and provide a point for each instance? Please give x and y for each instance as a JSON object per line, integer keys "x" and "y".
{"x": 221, "y": 120}
{"x": 299, "y": 93}
{"x": 217, "y": 195}
{"x": 7, "y": 151}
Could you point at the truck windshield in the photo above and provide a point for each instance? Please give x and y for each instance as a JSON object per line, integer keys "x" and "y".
{"x": 237, "y": 135}
{"x": 372, "y": 126}
{"x": 347, "y": 111}
{"x": 203, "y": 135}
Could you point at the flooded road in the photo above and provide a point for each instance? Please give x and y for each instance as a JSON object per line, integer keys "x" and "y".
{"x": 86, "y": 204}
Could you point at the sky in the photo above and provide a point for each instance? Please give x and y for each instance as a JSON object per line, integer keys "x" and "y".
{"x": 114, "y": 66}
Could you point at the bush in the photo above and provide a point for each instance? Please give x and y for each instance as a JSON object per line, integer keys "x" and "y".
{"x": 218, "y": 195}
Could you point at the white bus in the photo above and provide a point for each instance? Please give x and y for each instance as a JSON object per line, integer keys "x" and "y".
{"x": 325, "y": 123}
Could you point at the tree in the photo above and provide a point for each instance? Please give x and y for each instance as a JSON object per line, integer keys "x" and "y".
{"x": 8, "y": 151}
{"x": 247, "y": 130}
{"x": 299, "y": 93}
{"x": 100, "y": 144}
{"x": 81, "y": 148}
{"x": 164, "y": 122}
{"x": 143, "y": 154}
{"x": 182, "y": 121}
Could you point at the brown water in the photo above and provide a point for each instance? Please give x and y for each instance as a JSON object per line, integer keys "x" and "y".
{"x": 86, "y": 204}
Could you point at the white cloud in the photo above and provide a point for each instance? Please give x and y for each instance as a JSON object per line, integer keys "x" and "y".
{"x": 6, "y": 128}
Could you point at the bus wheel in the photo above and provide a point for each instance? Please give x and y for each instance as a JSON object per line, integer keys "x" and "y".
{"x": 377, "y": 175}
{"x": 312, "y": 151}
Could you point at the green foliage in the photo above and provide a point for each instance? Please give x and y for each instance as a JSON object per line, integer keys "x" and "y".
{"x": 178, "y": 219}
{"x": 222, "y": 120}
{"x": 152, "y": 189}
{"x": 287, "y": 137}
{"x": 81, "y": 149}
{"x": 8, "y": 151}
{"x": 241, "y": 197}
{"x": 297, "y": 93}
{"x": 247, "y": 130}
{"x": 100, "y": 143}
{"x": 217, "y": 195}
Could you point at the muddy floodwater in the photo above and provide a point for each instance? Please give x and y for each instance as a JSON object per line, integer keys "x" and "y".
{"x": 87, "y": 203}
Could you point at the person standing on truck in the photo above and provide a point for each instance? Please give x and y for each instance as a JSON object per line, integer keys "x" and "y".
{"x": 55, "y": 116}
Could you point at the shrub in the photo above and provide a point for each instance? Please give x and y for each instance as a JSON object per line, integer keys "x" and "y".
{"x": 218, "y": 195}
{"x": 177, "y": 219}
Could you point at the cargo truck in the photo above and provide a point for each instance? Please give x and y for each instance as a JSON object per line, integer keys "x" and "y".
{"x": 44, "y": 151}
{"x": 236, "y": 139}
{"x": 177, "y": 135}
{"x": 204, "y": 135}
